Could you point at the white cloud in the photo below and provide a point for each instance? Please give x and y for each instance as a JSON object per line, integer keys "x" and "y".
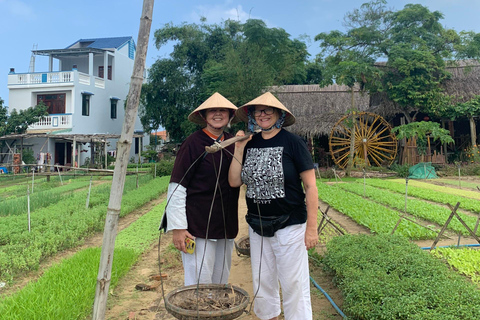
{"x": 15, "y": 9}
{"x": 222, "y": 12}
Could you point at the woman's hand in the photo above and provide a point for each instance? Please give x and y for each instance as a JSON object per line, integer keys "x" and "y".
{"x": 178, "y": 239}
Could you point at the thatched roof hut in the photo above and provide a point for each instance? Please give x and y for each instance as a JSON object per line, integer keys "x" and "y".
{"x": 317, "y": 109}
{"x": 465, "y": 81}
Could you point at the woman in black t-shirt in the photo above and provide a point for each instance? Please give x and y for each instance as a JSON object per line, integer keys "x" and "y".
{"x": 282, "y": 201}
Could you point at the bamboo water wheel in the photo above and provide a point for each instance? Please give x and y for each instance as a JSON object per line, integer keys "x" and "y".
{"x": 374, "y": 143}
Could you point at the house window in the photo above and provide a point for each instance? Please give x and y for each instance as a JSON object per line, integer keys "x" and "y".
{"x": 101, "y": 72}
{"x": 137, "y": 145}
{"x": 113, "y": 108}
{"x": 54, "y": 101}
{"x": 86, "y": 104}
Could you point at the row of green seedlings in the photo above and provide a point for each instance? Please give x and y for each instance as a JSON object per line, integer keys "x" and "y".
{"x": 62, "y": 226}
{"x": 389, "y": 277}
{"x": 415, "y": 207}
{"x": 100, "y": 195}
{"x": 8, "y": 191}
{"x": 40, "y": 199}
{"x": 460, "y": 183}
{"x": 463, "y": 259}
{"x": 67, "y": 290}
{"x": 31, "y": 202}
{"x": 435, "y": 196}
{"x": 372, "y": 215}
{"x": 434, "y": 187}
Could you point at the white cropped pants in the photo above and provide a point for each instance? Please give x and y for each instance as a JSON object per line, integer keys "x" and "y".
{"x": 282, "y": 259}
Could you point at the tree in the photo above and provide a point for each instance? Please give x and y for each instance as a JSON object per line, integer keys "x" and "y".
{"x": 236, "y": 59}
{"x": 408, "y": 49}
{"x": 422, "y": 131}
{"x": 18, "y": 121}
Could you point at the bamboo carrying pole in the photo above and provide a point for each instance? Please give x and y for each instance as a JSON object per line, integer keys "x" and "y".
{"x": 124, "y": 144}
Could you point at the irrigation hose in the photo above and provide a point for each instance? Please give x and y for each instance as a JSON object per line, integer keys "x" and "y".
{"x": 452, "y": 246}
{"x": 328, "y": 297}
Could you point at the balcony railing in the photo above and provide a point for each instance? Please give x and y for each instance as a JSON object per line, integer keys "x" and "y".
{"x": 54, "y": 121}
{"x": 54, "y": 78}
{"x": 38, "y": 78}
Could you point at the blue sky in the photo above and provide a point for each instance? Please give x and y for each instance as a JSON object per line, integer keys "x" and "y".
{"x": 53, "y": 24}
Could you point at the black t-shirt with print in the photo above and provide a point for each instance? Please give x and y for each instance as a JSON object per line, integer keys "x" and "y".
{"x": 271, "y": 171}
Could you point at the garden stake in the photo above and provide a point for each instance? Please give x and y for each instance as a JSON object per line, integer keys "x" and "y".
{"x": 364, "y": 193}
{"x": 327, "y": 220}
{"x": 463, "y": 222}
{"x": 459, "y": 183}
{"x": 445, "y": 225}
{"x": 28, "y": 205}
{"x": 33, "y": 178}
{"x": 59, "y": 175}
{"x": 478, "y": 218}
{"x": 323, "y": 218}
{"x": 88, "y": 194}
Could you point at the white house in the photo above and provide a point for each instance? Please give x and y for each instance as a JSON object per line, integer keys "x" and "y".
{"x": 85, "y": 88}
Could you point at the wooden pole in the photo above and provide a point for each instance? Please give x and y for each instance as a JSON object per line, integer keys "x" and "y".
{"x": 118, "y": 182}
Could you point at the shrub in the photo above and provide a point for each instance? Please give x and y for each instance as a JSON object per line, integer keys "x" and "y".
{"x": 388, "y": 277}
{"x": 164, "y": 168}
{"x": 401, "y": 170}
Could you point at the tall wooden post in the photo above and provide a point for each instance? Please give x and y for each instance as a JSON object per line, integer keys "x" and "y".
{"x": 124, "y": 144}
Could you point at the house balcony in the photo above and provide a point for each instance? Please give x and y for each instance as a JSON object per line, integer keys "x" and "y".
{"x": 53, "y": 121}
{"x": 57, "y": 78}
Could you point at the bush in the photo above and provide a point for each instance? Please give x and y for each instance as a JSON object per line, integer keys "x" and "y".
{"x": 164, "y": 168}
{"x": 388, "y": 277}
{"x": 401, "y": 170}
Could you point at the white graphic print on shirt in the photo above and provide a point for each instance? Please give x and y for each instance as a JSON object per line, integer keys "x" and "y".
{"x": 263, "y": 174}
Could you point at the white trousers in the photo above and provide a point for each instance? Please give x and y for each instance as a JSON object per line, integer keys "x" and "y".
{"x": 212, "y": 259}
{"x": 282, "y": 258}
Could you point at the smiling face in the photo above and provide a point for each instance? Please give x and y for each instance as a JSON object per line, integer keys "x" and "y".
{"x": 265, "y": 116}
{"x": 217, "y": 119}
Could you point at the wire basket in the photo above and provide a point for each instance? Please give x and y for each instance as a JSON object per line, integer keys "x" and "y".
{"x": 207, "y": 301}
{"x": 243, "y": 246}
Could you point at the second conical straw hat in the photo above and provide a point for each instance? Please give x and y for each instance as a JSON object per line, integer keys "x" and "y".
{"x": 266, "y": 99}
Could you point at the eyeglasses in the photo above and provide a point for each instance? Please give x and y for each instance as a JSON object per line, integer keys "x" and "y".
{"x": 267, "y": 112}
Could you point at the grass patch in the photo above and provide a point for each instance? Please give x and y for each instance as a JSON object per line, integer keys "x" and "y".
{"x": 67, "y": 290}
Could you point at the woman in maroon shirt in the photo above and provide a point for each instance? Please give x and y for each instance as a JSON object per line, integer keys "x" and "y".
{"x": 202, "y": 206}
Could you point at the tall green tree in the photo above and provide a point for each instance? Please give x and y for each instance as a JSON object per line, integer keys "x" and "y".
{"x": 18, "y": 121}
{"x": 236, "y": 59}
{"x": 401, "y": 53}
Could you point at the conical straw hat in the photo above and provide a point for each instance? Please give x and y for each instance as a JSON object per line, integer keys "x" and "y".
{"x": 266, "y": 99}
{"x": 215, "y": 101}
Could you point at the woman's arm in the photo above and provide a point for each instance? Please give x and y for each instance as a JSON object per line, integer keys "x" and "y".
{"x": 234, "y": 173}
{"x": 311, "y": 195}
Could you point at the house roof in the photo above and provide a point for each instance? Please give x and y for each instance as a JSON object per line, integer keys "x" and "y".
{"x": 83, "y": 46}
{"x": 100, "y": 43}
